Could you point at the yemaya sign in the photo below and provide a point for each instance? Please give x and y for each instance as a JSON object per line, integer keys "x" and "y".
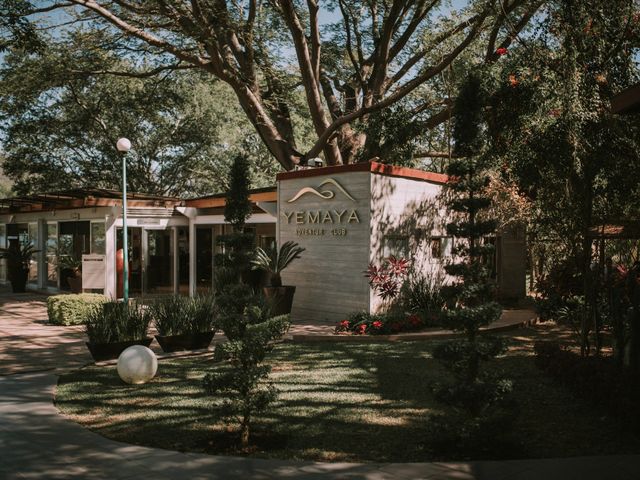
{"x": 328, "y": 214}
{"x": 331, "y": 220}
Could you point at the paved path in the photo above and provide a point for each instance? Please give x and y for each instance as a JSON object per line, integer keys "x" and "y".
{"x": 36, "y": 442}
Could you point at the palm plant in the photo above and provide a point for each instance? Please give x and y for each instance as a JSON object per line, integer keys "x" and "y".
{"x": 18, "y": 257}
{"x": 275, "y": 261}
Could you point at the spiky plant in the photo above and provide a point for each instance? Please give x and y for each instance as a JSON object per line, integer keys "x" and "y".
{"x": 275, "y": 261}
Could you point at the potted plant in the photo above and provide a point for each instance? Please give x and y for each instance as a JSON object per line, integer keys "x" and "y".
{"x": 71, "y": 270}
{"x": 18, "y": 257}
{"x": 114, "y": 326}
{"x": 184, "y": 323}
{"x": 274, "y": 261}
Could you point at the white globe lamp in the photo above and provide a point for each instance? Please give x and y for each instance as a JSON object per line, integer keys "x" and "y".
{"x": 137, "y": 364}
{"x": 123, "y": 145}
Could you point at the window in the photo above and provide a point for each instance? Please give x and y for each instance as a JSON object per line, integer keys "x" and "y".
{"x": 396, "y": 245}
{"x": 441, "y": 247}
{"x": 98, "y": 238}
{"x": 33, "y": 240}
{"x": 52, "y": 254}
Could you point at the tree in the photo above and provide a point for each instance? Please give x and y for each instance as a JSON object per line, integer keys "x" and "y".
{"x": 250, "y": 331}
{"x": 61, "y": 115}
{"x": 237, "y": 206}
{"x": 235, "y": 262}
{"x": 471, "y": 298}
{"x": 375, "y": 55}
{"x": 558, "y": 140}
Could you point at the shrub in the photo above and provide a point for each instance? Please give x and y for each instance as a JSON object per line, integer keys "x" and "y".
{"x": 245, "y": 320}
{"x": 202, "y": 313}
{"x": 114, "y": 322}
{"x": 422, "y": 294}
{"x": 170, "y": 315}
{"x": 72, "y": 309}
{"x": 178, "y": 315}
{"x": 387, "y": 279}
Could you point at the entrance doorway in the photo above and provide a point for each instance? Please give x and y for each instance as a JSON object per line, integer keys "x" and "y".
{"x": 151, "y": 262}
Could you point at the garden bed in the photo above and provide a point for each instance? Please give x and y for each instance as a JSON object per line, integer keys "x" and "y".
{"x": 340, "y": 402}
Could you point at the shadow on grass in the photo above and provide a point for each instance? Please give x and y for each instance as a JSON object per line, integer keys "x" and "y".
{"x": 341, "y": 402}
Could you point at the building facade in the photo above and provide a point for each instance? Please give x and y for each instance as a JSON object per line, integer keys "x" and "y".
{"x": 345, "y": 217}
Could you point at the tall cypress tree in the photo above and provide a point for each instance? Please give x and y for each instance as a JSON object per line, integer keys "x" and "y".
{"x": 237, "y": 209}
{"x": 472, "y": 295}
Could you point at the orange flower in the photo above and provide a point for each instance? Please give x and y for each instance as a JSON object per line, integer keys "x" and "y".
{"x": 513, "y": 81}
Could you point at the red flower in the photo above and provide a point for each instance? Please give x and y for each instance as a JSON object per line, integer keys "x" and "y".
{"x": 414, "y": 320}
{"x": 362, "y": 328}
{"x": 501, "y": 51}
{"x": 344, "y": 323}
{"x": 377, "y": 324}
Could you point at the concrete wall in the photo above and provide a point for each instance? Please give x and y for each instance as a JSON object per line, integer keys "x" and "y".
{"x": 405, "y": 215}
{"x": 334, "y": 229}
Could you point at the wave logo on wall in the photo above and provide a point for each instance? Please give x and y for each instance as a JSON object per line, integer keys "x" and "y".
{"x": 324, "y": 194}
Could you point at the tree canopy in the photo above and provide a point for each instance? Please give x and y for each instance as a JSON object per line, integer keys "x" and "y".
{"x": 61, "y": 115}
{"x": 282, "y": 60}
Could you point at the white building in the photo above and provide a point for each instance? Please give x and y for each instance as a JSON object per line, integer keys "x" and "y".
{"x": 346, "y": 217}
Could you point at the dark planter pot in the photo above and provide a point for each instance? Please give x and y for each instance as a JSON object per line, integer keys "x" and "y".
{"x": 281, "y": 299}
{"x": 111, "y": 351}
{"x": 186, "y": 341}
{"x": 19, "y": 281}
{"x": 75, "y": 284}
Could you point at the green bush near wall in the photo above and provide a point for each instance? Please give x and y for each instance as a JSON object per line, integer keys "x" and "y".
{"x": 72, "y": 309}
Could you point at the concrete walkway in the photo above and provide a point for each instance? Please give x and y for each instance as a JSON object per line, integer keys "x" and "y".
{"x": 36, "y": 442}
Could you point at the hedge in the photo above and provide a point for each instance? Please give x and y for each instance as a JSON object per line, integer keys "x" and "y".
{"x": 72, "y": 309}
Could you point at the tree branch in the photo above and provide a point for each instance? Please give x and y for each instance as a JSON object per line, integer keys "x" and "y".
{"x": 147, "y": 74}
{"x": 401, "y": 92}
{"x": 141, "y": 34}
{"x": 414, "y": 59}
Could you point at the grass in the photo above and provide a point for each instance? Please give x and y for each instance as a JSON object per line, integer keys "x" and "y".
{"x": 339, "y": 402}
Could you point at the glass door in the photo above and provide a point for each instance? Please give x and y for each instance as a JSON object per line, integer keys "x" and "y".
{"x": 158, "y": 265}
{"x": 134, "y": 244}
{"x": 151, "y": 262}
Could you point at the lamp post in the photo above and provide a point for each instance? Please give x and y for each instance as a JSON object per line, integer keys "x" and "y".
{"x": 123, "y": 146}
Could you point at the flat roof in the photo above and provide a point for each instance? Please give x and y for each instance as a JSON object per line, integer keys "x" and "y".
{"x": 82, "y": 198}
{"x": 265, "y": 194}
{"x": 373, "y": 167}
{"x": 97, "y": 197}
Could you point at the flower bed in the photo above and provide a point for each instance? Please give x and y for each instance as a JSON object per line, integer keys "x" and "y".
{"x": 363, "y": 323}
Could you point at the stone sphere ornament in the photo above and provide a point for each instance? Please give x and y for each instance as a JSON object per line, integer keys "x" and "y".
{"x": 137, "y": 364}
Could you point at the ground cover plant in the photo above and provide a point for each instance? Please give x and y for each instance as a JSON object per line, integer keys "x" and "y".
{"x": 365, "y": 323}
{"x": 342, "y": 402}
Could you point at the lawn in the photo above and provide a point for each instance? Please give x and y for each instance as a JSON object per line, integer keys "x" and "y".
{"x": 339, "y": 402}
